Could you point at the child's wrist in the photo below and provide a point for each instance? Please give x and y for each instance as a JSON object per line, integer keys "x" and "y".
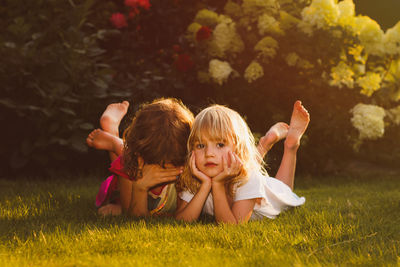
{"x": 217, "y": 184}
{"x": 140, "y": 187}
{"x": 206, "y": 184}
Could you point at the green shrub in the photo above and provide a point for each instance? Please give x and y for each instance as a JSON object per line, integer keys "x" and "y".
{"x": 54, "y": 80}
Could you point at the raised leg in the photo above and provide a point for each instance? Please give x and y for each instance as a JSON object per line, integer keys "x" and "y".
{"x": 276, "y": 133}
{"x": 298, "y": 125}
{"x": 111, "y": 119}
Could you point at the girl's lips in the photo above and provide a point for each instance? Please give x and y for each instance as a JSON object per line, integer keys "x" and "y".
{"x": 210, "y": 164}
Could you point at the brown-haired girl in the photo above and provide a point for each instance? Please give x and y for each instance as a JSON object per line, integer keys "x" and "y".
{"x": 148, "y": 159}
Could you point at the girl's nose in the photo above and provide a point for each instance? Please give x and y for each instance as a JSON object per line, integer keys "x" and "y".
{"x": 209, "y": 152}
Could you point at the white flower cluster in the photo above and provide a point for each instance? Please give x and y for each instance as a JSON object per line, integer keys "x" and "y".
{"x": 253, "y": 72}
{"x": 370, "y": 34}
{"x": 394, "y": 115}
{"x": 225, "y": 40}
{"x": 207, "y": 17}
{"x": 256, "y": 7}
{"x": 268, "y": 25}
{"x": 219, "y": 70}
{"x": 392, "y": 40}
{"x": 368, "y": 120}
{"x": 320, "y": 14}
{"x": 266, "y": 48}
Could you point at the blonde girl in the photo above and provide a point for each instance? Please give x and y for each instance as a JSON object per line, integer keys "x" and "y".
{"x": 224, "y": 177}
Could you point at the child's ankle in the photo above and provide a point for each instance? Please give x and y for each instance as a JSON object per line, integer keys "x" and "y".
{"x": 292, "y": 145}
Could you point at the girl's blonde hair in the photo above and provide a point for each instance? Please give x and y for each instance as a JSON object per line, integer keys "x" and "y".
{"x": 223, "y": 124}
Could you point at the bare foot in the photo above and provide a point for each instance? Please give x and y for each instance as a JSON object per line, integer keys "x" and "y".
{"x": 101, "y": 140}
{"x": 110, "y": 209}
{"x": 112, "y": 116}
{"x": 298, "y": 125}
{"x": 276, "y": 133}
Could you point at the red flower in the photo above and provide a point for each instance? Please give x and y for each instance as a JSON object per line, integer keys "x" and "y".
{"x": 134, "y": 11}
{"x": 138, "y": 3}
{"x": 184, "y": 63}
{"x": 203, "y": 33}
{"x": 118, "y": 20}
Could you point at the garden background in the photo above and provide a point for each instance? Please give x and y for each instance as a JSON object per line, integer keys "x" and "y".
{"x": 64, "y": 61}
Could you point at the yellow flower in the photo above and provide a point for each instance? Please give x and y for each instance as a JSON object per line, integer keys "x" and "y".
{"x": 369, "y": 83}
{"x": 219, "y": 70}
{"x": 253, "y": 72}
{"x": 356, "y": 52}
{"x": 267, "y": 47}
{"x": 225, "y": 40}
{"x": 341, "y": 75}
{"x": 368, "y": 120}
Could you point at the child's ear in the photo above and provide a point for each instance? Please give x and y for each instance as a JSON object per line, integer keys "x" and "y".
{"x": 140, "y": 162}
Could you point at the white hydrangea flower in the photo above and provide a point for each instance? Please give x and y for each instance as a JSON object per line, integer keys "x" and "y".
{"x": 368, "y": 120}
{"x": 341, "y": 75}
{"x": 320, "y": 14}
{"x": 256, "y": 7}
{"x": 394, "y": 115}
{"x": 370, "y": 34}
{"x": 392, "y": 40}
{"x": 192, "y": 31}
{"x": 346, "y": 13}
{"x": 253, "y": 72}
{"x": 207, "y": 17}
{"x": 291, "y": 59}
{"x": 219, "y": 70}
{"x": 268, "y": 24}
{"x": 232, "y": 9}
{"x": 225, "y": 40}
{"x": 287, "y": 21}
{"x": 369, "y": 83}
{"x": 267, "y": 47}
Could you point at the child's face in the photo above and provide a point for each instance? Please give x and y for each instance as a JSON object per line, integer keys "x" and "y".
{"x": 208, "y": 155}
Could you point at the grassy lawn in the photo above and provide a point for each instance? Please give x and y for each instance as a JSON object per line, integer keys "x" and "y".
{"x": 345, "y": 221}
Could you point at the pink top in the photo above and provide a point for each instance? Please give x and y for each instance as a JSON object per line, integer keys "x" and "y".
{"x": 109, "y": 185}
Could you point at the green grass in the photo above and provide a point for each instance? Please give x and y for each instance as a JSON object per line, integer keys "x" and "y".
{"x": 345, "y": 221}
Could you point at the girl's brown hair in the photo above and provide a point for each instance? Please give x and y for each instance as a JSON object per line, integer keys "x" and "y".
{"x": 158, "y": 133}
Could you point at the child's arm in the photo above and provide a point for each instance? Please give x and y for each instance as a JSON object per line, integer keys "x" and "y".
{"x": 153, "y": 175}
{"x": 239, "y": 213}
{"x": 191, "y": 211}
{"x": 241, "y": 210}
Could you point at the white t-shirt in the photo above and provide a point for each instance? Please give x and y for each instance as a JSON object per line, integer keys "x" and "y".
{"x": 275, "y": 196}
